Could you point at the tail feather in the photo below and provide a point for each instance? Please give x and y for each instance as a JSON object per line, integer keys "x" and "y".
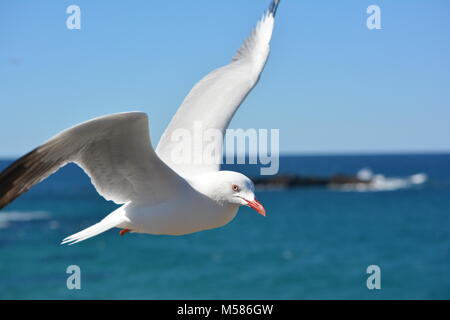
{"x": 90, "y": 232}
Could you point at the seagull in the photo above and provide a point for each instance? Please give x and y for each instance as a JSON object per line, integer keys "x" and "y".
{"x": 157, "y": 194}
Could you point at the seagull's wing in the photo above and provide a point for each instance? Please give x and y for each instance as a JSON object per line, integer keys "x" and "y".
{"x": 115, "y": 151}
{"x": 211, "y": 104}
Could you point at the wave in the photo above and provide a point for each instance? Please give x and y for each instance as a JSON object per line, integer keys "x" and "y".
{"x": 378, "y": 182}
{"x": 21, "y": 216}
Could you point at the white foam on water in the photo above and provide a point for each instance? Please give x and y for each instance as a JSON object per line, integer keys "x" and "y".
{"x": 378, "y": 182}
{"x": 364, "y": 174}
{"x": 21, "y": 216}
{"x": 419, "y": 178}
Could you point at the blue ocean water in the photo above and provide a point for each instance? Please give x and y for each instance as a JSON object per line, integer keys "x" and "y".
{"x": 315, "y": 243}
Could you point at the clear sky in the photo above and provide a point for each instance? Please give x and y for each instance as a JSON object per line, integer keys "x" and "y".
{"x": 330, "y": 86}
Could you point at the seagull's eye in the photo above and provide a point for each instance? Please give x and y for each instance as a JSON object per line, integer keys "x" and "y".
{"x": 235, "y": 188}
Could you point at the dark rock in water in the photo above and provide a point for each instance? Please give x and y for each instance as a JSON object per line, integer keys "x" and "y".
{"x": 295, "y": 181}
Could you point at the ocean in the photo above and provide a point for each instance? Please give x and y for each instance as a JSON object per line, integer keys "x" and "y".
{"x": 315, "y": 243}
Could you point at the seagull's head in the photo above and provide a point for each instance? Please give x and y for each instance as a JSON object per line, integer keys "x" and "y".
{"x": 234, "y": 188}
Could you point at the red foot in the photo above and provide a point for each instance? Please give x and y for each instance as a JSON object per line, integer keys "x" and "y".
{"x": 124, "y": 231}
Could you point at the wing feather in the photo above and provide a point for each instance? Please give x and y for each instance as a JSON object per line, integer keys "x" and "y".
{"x": 213, "y": 101}
{"x": 115, "y": 151}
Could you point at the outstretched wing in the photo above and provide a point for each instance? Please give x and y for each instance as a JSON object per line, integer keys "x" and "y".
{"x": 211, "y": 104}
{"x": 115, "y": 151}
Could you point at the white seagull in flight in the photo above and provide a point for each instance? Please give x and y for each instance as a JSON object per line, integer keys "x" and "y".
{"x": 158, "y": 195}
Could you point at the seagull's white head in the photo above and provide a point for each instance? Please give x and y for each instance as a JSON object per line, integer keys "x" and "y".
{"x": 232, "y": 188}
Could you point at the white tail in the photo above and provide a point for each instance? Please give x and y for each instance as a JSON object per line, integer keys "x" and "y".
{"x": 90, "y": 232}
{"x": 112, "y": 220}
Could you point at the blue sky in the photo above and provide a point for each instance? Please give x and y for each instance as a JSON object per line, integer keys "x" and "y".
{"x": 330, "y": 86}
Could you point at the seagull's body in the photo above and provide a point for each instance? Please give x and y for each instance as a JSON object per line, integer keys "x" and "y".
{"x": 200, "y": 212}
{"x": 157, "y": 194}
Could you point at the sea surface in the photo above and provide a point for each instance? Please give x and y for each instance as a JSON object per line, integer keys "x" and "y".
{"x": 315, "y": 243}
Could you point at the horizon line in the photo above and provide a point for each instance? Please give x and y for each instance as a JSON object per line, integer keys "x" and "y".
{"x": 325, "y": 153}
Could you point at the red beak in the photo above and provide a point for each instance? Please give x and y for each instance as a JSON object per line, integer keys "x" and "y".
{"x": 257, "y": 206}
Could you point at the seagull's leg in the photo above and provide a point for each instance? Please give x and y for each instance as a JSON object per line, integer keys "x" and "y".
{"x": 124, "y": 231}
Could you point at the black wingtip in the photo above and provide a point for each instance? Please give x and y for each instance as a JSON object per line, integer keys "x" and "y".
{"x": 274, "y": 6}
{"x": 18, "y": 178}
